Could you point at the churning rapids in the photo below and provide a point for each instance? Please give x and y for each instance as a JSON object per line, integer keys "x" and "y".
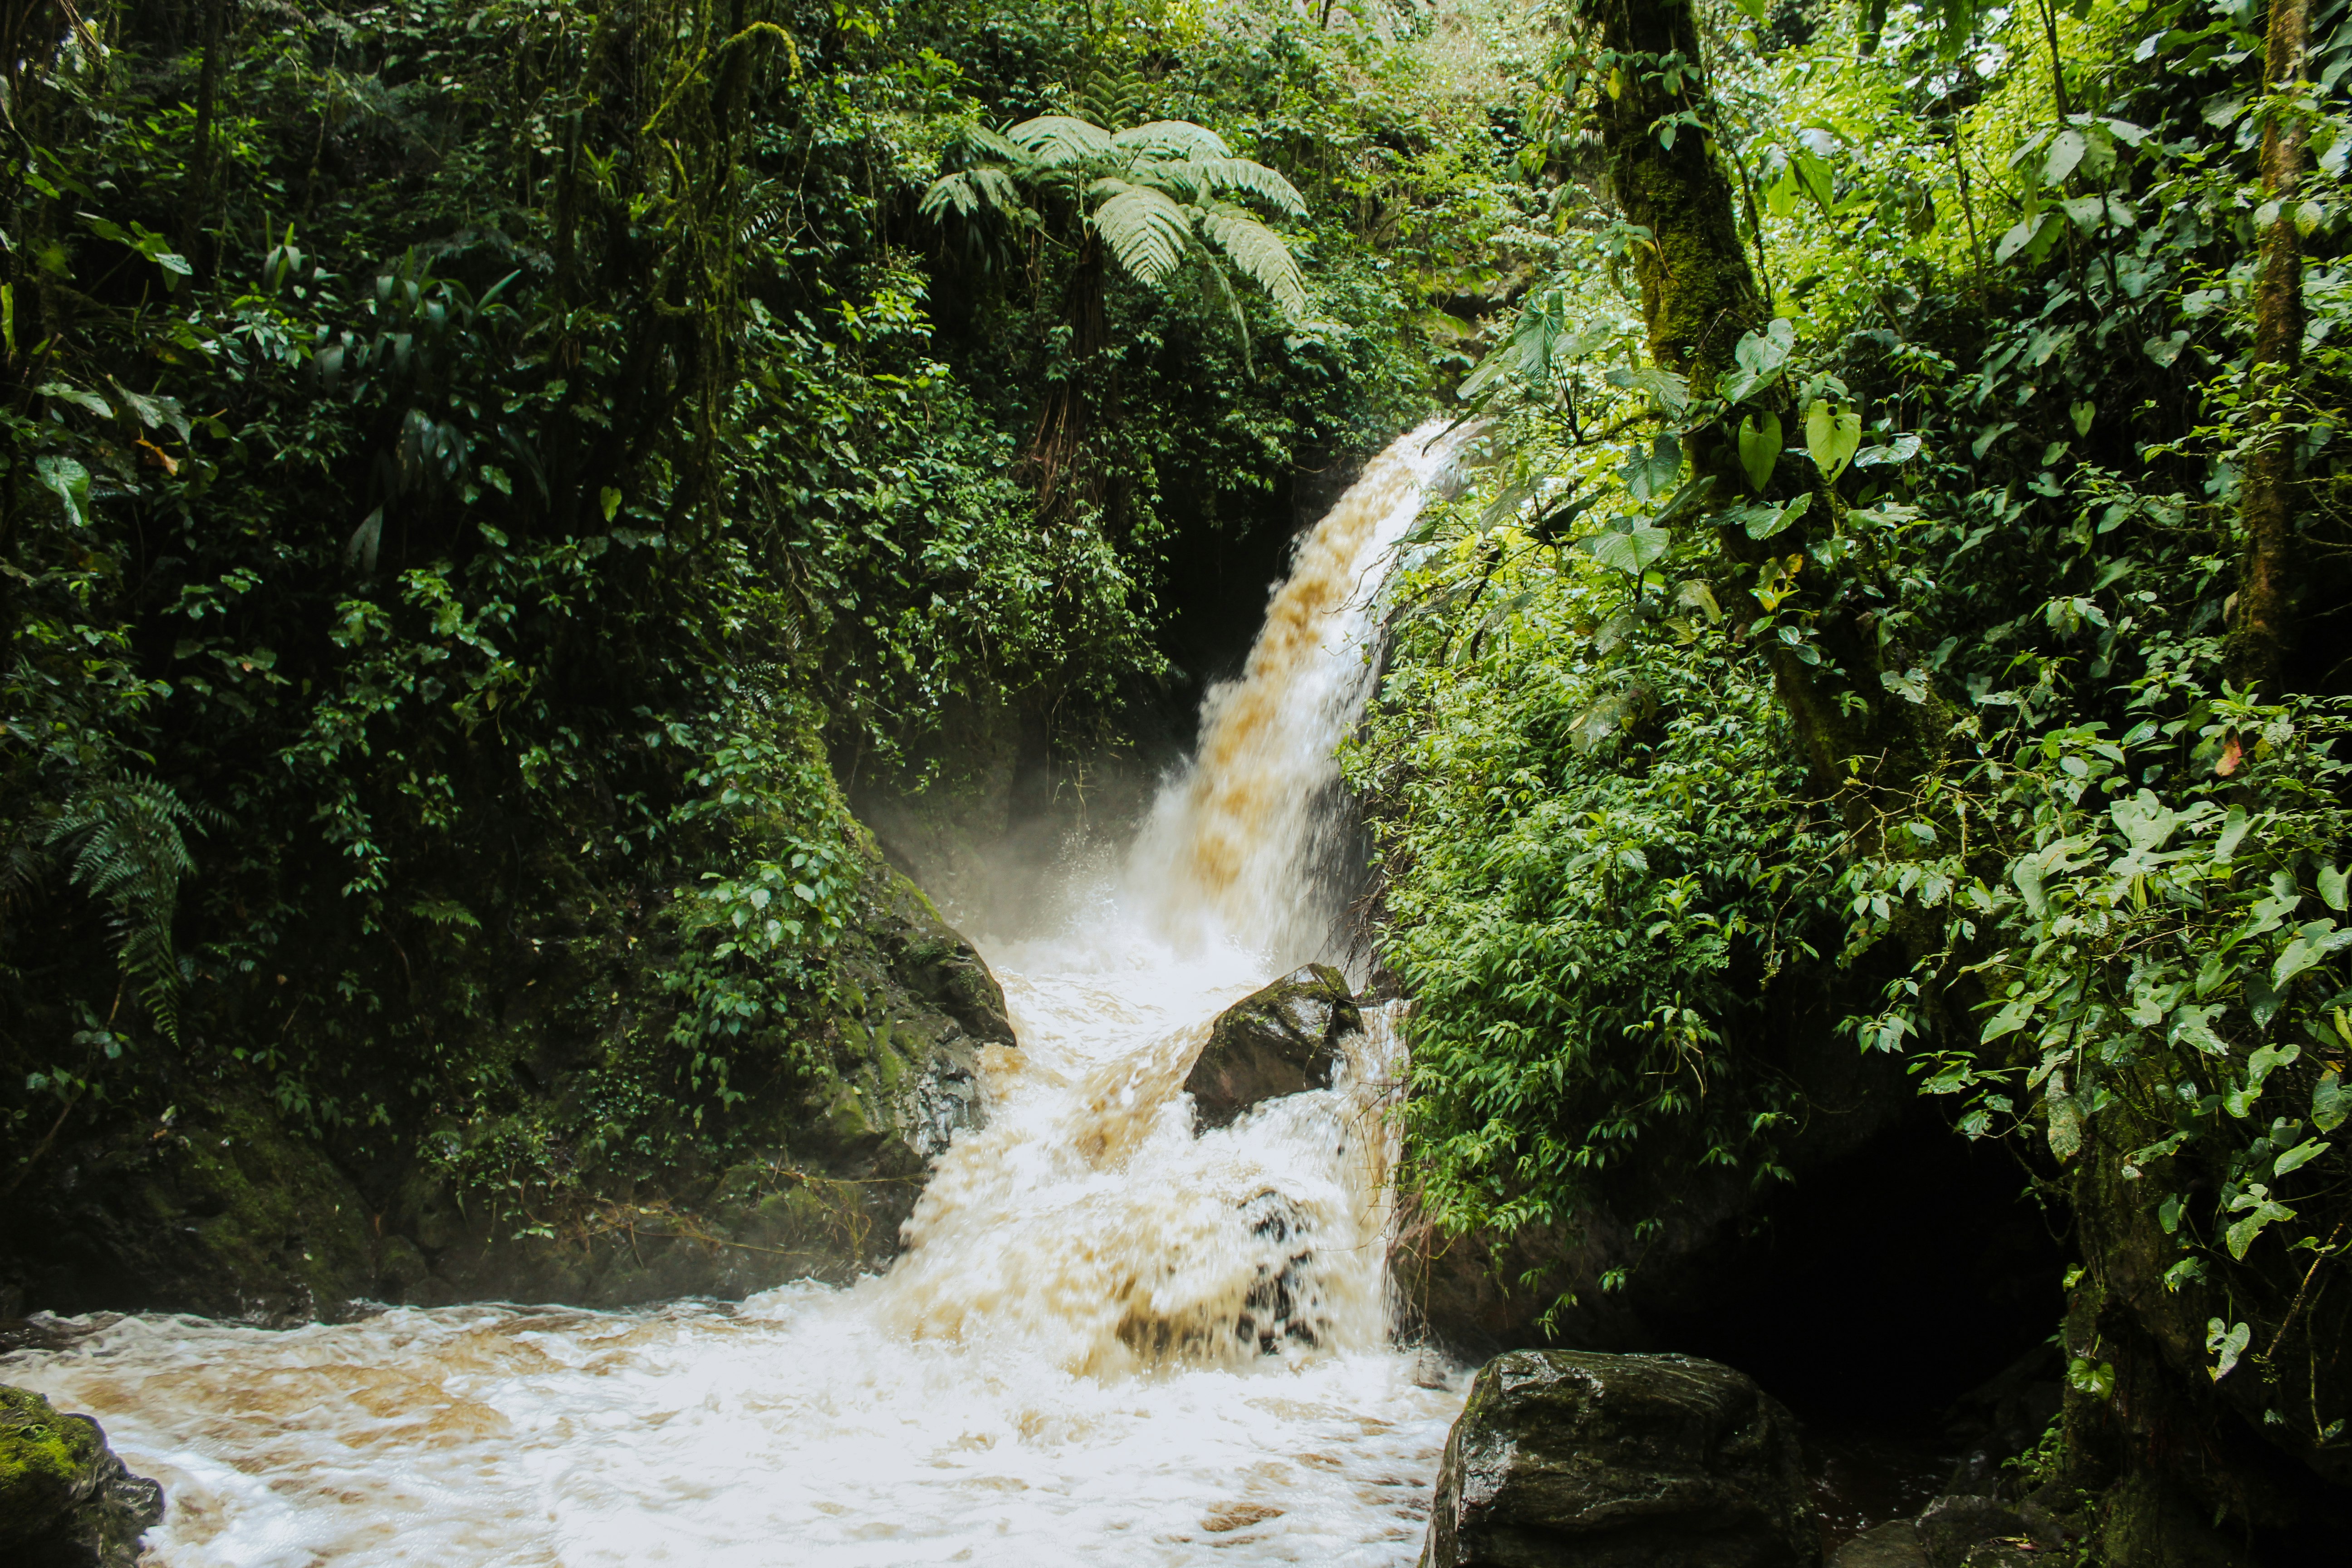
{"x": 1068, "y": 1364}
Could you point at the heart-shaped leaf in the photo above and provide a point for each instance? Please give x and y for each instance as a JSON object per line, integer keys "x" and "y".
{"x": 1759, "y": 447}
{"x": 1832, "y": 435}
{"x": 1631, "y": 553}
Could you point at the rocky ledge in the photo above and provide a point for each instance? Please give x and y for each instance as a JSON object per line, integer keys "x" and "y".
{"x": 66, "y": 1501}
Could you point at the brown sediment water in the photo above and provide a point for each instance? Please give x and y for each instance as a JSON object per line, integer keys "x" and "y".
{"x": 1106, "y": 1340}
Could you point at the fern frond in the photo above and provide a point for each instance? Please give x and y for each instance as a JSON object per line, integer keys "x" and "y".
{"x": 1109, "y": 96}
{"x": 996, "y": 188}
{"x": 949, "y": 191}
{"x": 995, "y": 144}
{"x": 1057, "y": 140}
{"x": 1172, "y": 139}
{"x": 1148, "y": 231}
{"x": 132, "y": 854}
{"x": 1262, "y": 254}
{"x": 1243, "y": 175}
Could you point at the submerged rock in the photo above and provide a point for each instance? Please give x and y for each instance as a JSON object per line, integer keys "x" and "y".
{"x": 1566, "y": 1457}
{"x": 66, "y": 1501}
{"x": 1282, "y": 1039}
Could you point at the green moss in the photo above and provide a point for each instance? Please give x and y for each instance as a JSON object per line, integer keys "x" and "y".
{"x": 48, "y": 1462}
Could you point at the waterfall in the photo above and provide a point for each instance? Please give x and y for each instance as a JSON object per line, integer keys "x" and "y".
{"x": 1108, "y": 1339}
{"x": 1236, "y": 842}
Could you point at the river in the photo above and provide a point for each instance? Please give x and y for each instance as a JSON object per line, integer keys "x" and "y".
{"x": 1107, "y": 1341}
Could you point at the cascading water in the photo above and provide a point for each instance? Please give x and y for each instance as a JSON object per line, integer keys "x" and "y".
{"x": 1107, "y": 1342}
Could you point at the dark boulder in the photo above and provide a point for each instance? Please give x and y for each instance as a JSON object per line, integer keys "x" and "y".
{"x": 1567, "y": 1457}
{"x": 1951, "y": 1527}
{"x": 1894, "y": 1544}
{"x": 1284, "y": 1039}
{"x": 66, "y": 1501}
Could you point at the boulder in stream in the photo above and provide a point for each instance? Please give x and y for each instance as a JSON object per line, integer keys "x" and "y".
{"x": 1282, "y": 1039}
{"x": 1574, "y": 1459}
{"x": 66, "y": 1501}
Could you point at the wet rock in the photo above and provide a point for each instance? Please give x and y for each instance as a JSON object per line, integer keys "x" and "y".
{"x": 1951, "y": 1526}
{"x": 1572, "y": 1459}
{"x": 1284, "y": 1039}
{"x": 1892, "y": 1545}
{"x": 66, "y": 1501}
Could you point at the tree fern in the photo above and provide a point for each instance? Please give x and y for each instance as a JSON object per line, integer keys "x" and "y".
{"x": 1228, "y": 174}
{"x": 1057, "y": 140}
{"x": 1150, "y": 193}
{"x": 131, "y": 855}
{"x": 1147, "y": 230}
{"x": 1172, "y": 138}
{"x": 1260, "y": 253}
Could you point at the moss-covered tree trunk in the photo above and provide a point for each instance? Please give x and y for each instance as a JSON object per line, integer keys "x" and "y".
{"x": 2260, "y": 640}
{"x": 1865, "y": 746}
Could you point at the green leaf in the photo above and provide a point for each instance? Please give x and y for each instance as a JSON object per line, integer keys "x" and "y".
{"x": 609, "y": 498}
{"x": 2065, "y": 151}
{"x": 2313, "y": 942}
{"x": 2302, "y": 1154}
{"x": 1650, "y": 471}
{"x": 1763, "y": 519}
{"x": 69, "y": 481}
{"x": 2328, "y": 1101}
{"x": 2262, "y": 1211}
{"x": 1833, "y": 437}
{"x": 1672, "y": 391}
{"x": 2332, "y": 887}
{"x": 1757, "y": 360}
{"x": 1902, "y": 449}
{"x": 1910, "y": 685}
{"x": 2225, "y": 1343}
{"x": 2095, "y": 1378}
{"x": 81, "y": 396}
{"x": 1759, "y": 447}
{"x": 1633, "y": 552}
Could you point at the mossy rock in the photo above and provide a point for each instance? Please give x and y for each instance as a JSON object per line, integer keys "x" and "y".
{"x": 1284, "y": 1038}
{"x": 224, "y": 1211}
{"x": 1573, "y": 1459}
{"x": 66, "y": 1501}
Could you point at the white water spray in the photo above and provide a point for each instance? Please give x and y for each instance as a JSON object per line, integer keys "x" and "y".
{"x": 1107, "y": 1341}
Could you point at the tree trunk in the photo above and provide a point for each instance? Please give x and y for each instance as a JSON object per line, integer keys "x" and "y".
{"x": 1865, "y": 745}
{"x": 200, "y": 171}
{"x": 2260, "y": 640}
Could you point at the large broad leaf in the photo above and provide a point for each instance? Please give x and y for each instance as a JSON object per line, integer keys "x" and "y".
{"x": 1058, "y": 140}
{"x": 1757, "y": 359}
{"x": 1147, "y": 230}
{"x": 1261, "y": 254}
{"x": 1672, "y": 391}
{"x": 1633, "y": 554}
{"x": 1759, "y": 447}
{"x": 1833, "y": 437}
{"x": 1172, "y": 138}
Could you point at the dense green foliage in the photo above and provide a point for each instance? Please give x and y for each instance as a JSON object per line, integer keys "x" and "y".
{"x": 472, "y": 469}
{"x": 1992, "y": 439}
